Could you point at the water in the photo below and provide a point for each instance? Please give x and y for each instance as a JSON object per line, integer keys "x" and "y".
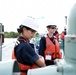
{"x": 7, "y": 48}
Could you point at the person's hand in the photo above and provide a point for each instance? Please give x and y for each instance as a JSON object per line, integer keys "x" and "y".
{"x": 42, "y": 58}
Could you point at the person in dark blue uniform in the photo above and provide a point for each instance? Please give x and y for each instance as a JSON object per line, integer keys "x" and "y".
{"x": 23, "y": 51}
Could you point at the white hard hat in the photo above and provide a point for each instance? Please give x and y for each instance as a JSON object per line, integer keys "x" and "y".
{"x": 51, "y": 24}
{"x": 30, "y": 22}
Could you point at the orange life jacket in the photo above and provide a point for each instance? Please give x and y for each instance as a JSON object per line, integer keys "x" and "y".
{"x": 62, "y": 36}
{"x": 57, "y": 36}
{"x": 52, "y": 51}
{"x": 23, "y": 67}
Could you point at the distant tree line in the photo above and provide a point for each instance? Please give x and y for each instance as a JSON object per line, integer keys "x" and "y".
{"x": 11, "y": 34}
{"x": 14, "y": 35}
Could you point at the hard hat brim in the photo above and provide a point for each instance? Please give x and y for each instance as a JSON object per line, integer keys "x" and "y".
{"x": 51, "y": 25}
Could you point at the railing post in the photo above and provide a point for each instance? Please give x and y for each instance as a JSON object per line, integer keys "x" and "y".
{"x": 1, "y": 39}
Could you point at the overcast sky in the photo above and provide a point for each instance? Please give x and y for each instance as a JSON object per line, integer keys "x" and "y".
{"x": 13, "y": 11}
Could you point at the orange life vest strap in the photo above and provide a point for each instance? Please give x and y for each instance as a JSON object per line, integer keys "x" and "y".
{"x": 21, "y": 39}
